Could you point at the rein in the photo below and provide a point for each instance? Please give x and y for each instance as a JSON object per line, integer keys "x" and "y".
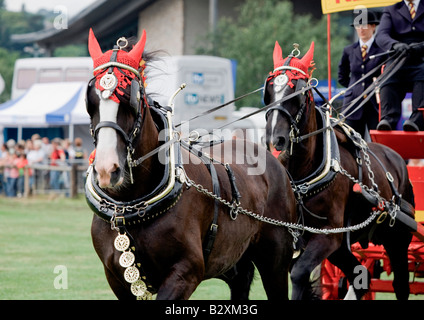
{"x": 370, "y": 91}
{"x": 265, "y": 108}
{"x": 219, "y": 107}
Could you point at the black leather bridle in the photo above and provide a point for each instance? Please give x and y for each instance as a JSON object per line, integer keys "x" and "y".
{"x": 137, "y": 101}
{"x": 303, "y": 96}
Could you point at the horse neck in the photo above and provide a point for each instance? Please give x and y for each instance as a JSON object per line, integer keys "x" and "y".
{"x": 304, "y": 160}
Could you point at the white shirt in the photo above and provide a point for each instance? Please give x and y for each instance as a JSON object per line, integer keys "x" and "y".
{"x": 415, "y": 2}
{"x": 368, "y": 43}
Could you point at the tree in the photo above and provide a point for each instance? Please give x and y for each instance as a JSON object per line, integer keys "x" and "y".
{"x": 7, "y": 63}
{"x": 251, "y": 37}
{"x": 14, "y": 23}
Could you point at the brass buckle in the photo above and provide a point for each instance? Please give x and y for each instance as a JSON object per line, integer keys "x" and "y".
{"x": 382, "y": 217}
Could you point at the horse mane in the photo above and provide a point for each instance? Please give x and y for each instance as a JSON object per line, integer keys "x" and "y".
{"x": 311, "y": 69}
{"x": 149, "y": 57}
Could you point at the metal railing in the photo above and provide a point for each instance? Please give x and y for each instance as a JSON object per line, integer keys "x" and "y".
{"x": 63, "y": 178}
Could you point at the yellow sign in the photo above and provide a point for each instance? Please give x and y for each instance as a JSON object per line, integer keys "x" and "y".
{"x": 330, "y": 6}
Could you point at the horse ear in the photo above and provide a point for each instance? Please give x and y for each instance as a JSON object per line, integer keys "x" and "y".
{"x": 309, "y": 56}
{"x": 277, "y": 56}
{"x": 93, "y": 46}
{"x": 137, "y": 51}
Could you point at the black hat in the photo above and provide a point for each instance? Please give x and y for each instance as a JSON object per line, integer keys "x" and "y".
{"x": 371, "y": 18}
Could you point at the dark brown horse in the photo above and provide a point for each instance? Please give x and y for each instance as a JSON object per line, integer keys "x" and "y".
{"x": 156, "y": 229}
{"x": 326, "y": 164}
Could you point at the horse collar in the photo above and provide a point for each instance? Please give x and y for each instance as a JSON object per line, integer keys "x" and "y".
{"x": 144, "y": 209}
{"x": 326, "y": 172}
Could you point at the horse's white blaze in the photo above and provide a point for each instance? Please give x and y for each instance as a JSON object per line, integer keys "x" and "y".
{"x": 107, "y": 160}
{"x": 274, "y": 116}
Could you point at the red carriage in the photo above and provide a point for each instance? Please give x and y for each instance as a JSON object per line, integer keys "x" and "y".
{"x": 410, "y": 145}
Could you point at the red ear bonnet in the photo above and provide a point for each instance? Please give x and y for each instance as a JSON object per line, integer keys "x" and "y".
{"x": 278, "y": 56}
{"x": 137, "y": 51}
{"x": 303, "y": 64}
{"x": 132, "y": 58}
{"x": 93, "y": 46}
{"x": 308, "y": 58}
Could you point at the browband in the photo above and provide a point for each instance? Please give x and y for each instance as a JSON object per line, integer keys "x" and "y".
{"x": 290, "y": 68}
{"x": 119, "y": 65}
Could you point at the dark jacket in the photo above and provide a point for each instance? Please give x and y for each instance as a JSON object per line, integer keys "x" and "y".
{"x": 352, "y": 68}
{"x": 396, "y": 25}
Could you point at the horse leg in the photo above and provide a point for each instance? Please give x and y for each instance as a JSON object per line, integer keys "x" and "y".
{"x": 240, "y": 283}
{"x": 346, "y": 261}
{"x": 272, "y": 257}
{"x": 274, "y": 277}
{"x": 397, "y": 250}
{"x": 181, "y": 282}
{"x": 119, "y": 289}
{"x": 319, "y": 247}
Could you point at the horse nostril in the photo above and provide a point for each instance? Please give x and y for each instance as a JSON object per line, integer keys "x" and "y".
{"x": 108, "y": 175}
{"x": 280, "y": 143}
{"x": 115, "y": 175}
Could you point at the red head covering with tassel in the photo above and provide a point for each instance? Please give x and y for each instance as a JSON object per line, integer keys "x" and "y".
{"x": 132, "y": 59}
{"x": 305, "y": 64}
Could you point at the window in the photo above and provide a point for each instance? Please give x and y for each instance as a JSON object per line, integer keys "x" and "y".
{"x": 77, "y": 74}
{"x": 50, "y": 75}
{"x": 26, "y": 78}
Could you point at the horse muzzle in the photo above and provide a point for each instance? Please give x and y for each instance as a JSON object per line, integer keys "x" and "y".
{"x": 108, "y": 176}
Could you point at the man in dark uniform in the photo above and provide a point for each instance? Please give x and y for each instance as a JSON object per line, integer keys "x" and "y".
{"x": 401, "y": 28}
{"x": 354, "y": 64}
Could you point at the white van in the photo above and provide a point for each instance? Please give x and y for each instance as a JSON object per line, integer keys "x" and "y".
{"x": 209, "y": 83}
{"x": 46, "y": 70}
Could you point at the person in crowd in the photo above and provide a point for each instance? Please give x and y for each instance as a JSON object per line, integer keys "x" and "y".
{"x": 57, "y": 157}
{"x": 35, "y": 136}
{"x": 35, "y": 156}
{"x": 402, "y": 30}
{"x": 12, "y": 174}
{"x": 354, "y": 64}
{"x": 21, "y": 163}
{"x": 80, "y": 153}
{"x": 80, "y": 158}
{"x": 69, "y": 155}
{"x": 47, "y": 148}
{"x": 3, "y": 155}
{"x": 10, "y": 182}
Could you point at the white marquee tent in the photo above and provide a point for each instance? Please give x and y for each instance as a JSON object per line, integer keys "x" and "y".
{"x": 60, "y": 103}
{"x": 47, "y": 104}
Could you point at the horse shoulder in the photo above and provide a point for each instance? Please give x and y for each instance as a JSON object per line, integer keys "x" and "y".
{"x": 340, "y": 136}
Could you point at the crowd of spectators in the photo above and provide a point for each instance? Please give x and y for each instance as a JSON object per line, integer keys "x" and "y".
{"x": 16, "y": 157}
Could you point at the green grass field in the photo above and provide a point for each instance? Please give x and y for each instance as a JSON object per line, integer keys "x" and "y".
{"x": 38, "y": 234}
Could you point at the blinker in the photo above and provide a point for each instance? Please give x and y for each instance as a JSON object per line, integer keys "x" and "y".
{"x": 135, "y": 95}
